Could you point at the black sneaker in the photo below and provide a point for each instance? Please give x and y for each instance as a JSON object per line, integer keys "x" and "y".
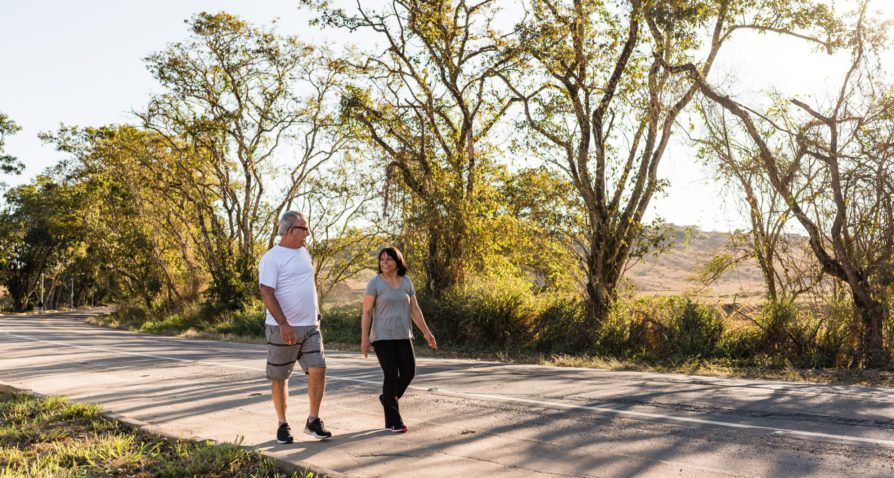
{"x": 284, "y": 434}
{"x": 316, "y": 430}
{"x": 399, "y": 428}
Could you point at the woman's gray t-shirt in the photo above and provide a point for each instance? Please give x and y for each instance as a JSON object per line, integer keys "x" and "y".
{"x": 391, "y": 314}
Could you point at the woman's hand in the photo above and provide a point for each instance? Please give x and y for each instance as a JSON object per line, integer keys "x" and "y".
{"x": 364, "y": 347}
{"x": 432, "y": 343}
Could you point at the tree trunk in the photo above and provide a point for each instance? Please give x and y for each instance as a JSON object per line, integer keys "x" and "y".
{"x": 603, "y": 273}
{"x": 872, "y": 315}
{"x": 446, "y": 249}
{"x": 20, "y": 303}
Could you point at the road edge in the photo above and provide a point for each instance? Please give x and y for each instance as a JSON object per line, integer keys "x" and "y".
{"x": 282, "y": 464}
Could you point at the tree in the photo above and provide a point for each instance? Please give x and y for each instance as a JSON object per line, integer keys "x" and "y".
{"x": 842, "y": 154}
{"x": 140, "y": 233}
{"x": 339, "y": 202}
{"x": 778, "y": 253}
{"x": 8, "y": 164}
{"x": 429, "y": 103}
{"x": 230, "y": 103}
{"x": 539, "y": 229}
{"x": 598, "y": 95}
{"x": 40, "y": 231}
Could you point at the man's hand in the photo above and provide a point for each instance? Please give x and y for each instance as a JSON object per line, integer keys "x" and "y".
{"x": 288, "y": 333}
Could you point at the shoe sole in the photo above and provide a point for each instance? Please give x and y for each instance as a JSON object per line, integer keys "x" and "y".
{"x": 281, "y": 442}
{"x": 402, "y": 430}
{"x": 318, "y": 437}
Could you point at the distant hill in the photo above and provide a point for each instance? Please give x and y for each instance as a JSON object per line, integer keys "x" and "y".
{"x": 672, "y": 271}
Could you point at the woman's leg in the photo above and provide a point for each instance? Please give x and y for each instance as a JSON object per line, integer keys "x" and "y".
{"x": 386, "y": 352}
{"x": 406, "y": 365}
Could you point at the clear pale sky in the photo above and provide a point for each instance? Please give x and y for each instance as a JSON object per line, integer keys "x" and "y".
{"x": 80, "y": 63}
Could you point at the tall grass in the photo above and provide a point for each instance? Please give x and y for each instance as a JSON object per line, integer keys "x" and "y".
{"x": 55, "y": 438}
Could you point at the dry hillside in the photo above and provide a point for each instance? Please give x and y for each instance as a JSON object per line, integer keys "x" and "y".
{"x": 672, "y": 272}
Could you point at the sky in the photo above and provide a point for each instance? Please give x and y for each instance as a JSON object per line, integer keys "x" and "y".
{"x": 80, "y": 63}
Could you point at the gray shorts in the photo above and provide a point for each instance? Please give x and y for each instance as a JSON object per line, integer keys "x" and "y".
{"x": 307, "y": 351}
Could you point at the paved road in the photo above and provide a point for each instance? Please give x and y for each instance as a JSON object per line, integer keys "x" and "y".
{"x": 466, "y": 418}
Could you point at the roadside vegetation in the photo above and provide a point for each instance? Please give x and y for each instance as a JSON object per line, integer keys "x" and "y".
{"x": 514, "y": 165}
{"x": 659, "y": 334}
{"x": 52, "y": 437}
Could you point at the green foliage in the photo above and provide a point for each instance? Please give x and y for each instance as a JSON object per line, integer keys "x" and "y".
{"x": 805, "y": 338}
{"x": 561, "y": 328}
{"x": 490, "y": 312}
{"x": 41, "y": 233}
{"x": 8, "y": 164}
{"x": 247, "y": 323}
{"x": 661, "y": 328}
{"x": 674, "y": 329}
{"x": 341, "y": 325}
{"x": 229, "y": 103}
{"x": 195, "y": 317}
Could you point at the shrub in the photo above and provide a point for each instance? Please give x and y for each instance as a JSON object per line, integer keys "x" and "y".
{"x": 249, "y": 322}
{"x": 561, "y": 327}
{"x": 837, "y": 333}
{"x": 485, "y": 312}
{"x": 694, "y": 331}
{"x": 781, "y": 335}
{"x": 660, "y": 327}
{"x": 342, "y": 325}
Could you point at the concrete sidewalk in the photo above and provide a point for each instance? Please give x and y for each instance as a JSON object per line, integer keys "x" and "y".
{"x": 465, "y": 417}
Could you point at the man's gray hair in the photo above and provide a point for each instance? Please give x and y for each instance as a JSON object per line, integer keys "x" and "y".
{"x": 289, "y": 219}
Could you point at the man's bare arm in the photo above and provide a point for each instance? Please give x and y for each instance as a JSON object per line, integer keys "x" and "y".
{"x": 268, "y": 294}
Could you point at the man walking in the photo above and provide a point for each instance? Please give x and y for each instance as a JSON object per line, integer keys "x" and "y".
{"x": 286, "y": 277}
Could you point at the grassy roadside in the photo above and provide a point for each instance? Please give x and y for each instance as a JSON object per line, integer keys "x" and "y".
{"x": 51, "y": 437}
{"x": 341, "y": 331}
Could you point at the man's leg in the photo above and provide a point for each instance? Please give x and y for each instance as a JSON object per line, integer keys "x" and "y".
{"x": 316, "y": 385}
{"x": 280, "y": 397}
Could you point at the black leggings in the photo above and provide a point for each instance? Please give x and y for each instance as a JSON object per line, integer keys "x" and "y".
{"x": 399, "y": 365}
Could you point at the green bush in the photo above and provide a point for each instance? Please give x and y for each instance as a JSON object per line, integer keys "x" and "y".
{"x": 782, "y": 334}
{"x": 795, "y": 335}
{"x": 491, "y": 312}
{"x": 131, "y": 314}
{"x": 248, "y": 323}
{"x": 739, "y": 345}
{"x": 172, "y": 324}
{"x": 342, "y": 325}
{"x": 694, "y": 331}
{"x": 652, "y": 328}
{"x": 561, "y": 327}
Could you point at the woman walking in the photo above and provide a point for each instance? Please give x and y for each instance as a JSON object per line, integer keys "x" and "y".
{"x": 388, "y": 307}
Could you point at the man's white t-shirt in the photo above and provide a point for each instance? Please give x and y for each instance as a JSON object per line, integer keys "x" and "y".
{"x": 291, "y": 273}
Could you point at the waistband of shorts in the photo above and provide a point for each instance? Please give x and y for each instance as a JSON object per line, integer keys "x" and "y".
{"x": 299, "y": 327}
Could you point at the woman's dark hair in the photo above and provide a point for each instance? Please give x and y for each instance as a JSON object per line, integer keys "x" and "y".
{"x": 395, "y": 254}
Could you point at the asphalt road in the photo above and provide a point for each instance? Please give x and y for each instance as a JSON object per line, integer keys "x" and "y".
{"x": 466, "y": 418}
